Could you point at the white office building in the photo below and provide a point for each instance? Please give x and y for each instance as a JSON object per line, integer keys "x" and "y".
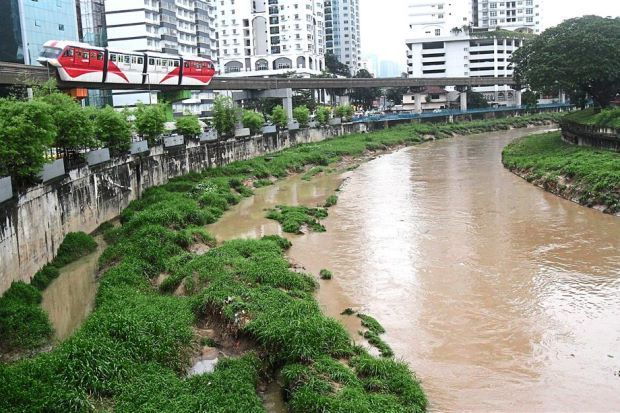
{"x": 270, "y": 37}
{"x": 342, "y": 32}
{"x": 185, "y": 27}
{"x": 460, "y": 38}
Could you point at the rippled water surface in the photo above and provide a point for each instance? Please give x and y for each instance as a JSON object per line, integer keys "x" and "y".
{"x": 500, "y": 296}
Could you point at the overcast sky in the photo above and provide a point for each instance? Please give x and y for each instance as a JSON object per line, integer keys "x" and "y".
{"x": 384, "y": 22}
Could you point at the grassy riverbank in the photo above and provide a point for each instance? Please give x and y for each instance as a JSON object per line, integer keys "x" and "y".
{"x": 132, "y": 353}
{"x": 582, "y": 174}
{"x": 606, "y": 118}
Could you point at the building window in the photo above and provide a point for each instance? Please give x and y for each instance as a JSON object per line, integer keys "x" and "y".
{"x": 61, "y": 27}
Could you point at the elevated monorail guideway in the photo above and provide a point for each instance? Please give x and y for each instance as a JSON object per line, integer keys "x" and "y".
{"x": 19, "y": 74}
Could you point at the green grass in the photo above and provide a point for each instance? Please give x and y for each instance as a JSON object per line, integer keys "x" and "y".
{"x": 331, "y": 201}
{"x": 131, "y": 353}
{"x": 260, "y": 183}
{"x": 374, "y": 330}
{"x": 75, "y": 246}
{"x": 607, "y": 118}
{"x": 326, "y": 274}
{"x": 312, "y": 172}
{"x": 293, "y": 218}
{"x": 594, "y": 174}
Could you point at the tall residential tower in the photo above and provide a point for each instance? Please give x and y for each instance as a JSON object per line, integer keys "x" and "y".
{"x": 342, "y": 32}
{"x": 268, "y": 37}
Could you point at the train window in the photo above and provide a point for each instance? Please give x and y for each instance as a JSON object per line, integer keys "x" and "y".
{"x": 85, "y": 55}
{"x": 127, "y": 59}
{"x": 164, "y": 62}
{"x": 140, "y": 61}
{"x": 151, "y": 62}
{"x": 69, "y": 52}
{"x": 158, "y": 62}
{"x": 100, "y": 56}
{"x": 113, "y": 57}
{"x": 186, "y": 65}
{"x": 134, "y": 59}
{"x": 198, "y": 66}
{"x": 176, "y": 63}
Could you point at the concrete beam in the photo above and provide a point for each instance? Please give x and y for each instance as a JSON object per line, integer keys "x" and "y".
{"x": 418, "y": 102}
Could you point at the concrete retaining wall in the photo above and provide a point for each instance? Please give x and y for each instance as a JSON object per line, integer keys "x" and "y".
{"x": 33, "y": 224}
{"x": 589, "y": 135}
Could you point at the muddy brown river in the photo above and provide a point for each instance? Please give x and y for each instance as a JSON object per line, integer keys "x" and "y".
{"x": 502, "y": 298}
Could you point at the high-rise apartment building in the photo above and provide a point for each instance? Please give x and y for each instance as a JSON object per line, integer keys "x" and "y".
{"x": 438, "y": 17}
{"x": 342, "y": 32}
{"x": 269, "y": 37}
{"x": 25, "y": 25}
{"x": 185, "y": 27}
{"x": 520, "y": 15}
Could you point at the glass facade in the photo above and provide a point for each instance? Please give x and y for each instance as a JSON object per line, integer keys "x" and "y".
{"x": 11, "y": 45}
{"x": 44, "y": 20}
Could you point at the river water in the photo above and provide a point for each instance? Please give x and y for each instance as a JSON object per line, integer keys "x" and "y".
{"x": 500, "y": 296}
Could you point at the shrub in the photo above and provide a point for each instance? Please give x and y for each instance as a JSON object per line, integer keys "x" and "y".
{"x": 27, "y": 130}
{"x": 74, "y": 246}
{"x": 23, "y": 292}
{"x": 113, "y": 130}
{"x": 302, "y": 115}
{"x": 279, "y": 117}
{"x": 188, "y": 126}
{"x": 322, "y": 115}
{"x": 253, "y": 121}
{"x": 344, "y": 111}
{"x": 224, "y": 116}
{"x": 149, "y": 122}
{"x": 75, "y": 129}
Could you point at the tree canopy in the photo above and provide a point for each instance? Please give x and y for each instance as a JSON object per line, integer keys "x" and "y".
{"x": 150, "y": 122}
{"x": 253, "y": 121}
{"x": 366, "y": 96}
{"x": 579, "y": 56}
{"x": 334, "y": 66}
{"x": 224, "y": 116}
{"x": 113, "y": 130}
{"x": 476, "y": 100}
{"x": 188, "y": 126}
{"x": 279, "y": 117}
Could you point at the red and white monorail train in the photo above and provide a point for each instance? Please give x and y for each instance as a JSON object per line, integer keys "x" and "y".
{"x": 80, "y": 62}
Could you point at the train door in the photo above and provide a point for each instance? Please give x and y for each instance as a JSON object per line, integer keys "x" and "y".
{"x": 81, "y": 62}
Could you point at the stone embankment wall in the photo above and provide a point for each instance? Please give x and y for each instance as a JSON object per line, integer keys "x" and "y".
{"x": 590, "y": 135}
{"x": 33, "y": 225}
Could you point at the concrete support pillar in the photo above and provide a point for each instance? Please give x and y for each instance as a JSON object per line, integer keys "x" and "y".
{"x": 464, "y": 101}
{"x": 287, "y": 102}
{"x": 418, "y": 102}
{"x": 517, "y": 94}
{"x": 562, "y": 97}
{"x": 344, "y": 100}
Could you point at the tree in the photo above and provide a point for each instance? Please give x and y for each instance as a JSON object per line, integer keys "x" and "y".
{"x": 322, "y": 115}
{"x": 75, "y": 129}
{"x": 253, "y": 121}
{"x": 344, "y": 111}
{"x": 279, "y": 117}
{"x": 113, "y": 130}
{"x": 579, "y": 56}
{"x": 302, "y": 115}
{"x": 365, "y": 96}
{"x": 529, "y": 99}
{"x": 304, "y": 97}
{"x": 224, "y": 116}
{"x": 27, "y": 130}
{"x": 188, "y": 126}
{"x": 476, "y": 100}
{"x": 395, "y": 94}
{"x": 150, "y": 122}
{"x": 334, "y": 66}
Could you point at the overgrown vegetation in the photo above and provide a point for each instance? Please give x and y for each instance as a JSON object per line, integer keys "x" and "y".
{"x": 587, "y": 175}
{"x": 374, "y": 330}
{"x": 23, "y": 323}
{"x": 294, "y": 218}
{"x": 325, "y": 274}
{"x": 331, "y": 201}
{"x": 609, "y": 118}
{"x": 131, "y": 353}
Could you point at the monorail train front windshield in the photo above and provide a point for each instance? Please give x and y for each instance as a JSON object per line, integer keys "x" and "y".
{"x": 50, "y": 52}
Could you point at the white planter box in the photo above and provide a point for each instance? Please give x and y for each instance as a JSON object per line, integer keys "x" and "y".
{"x": 269, "y": 129}
{"x": 6, "y": 189}
{"x": 313, "y": 124}
{"x": 293, "y": 126}
{"x": 174, "y": 140}
{"x": 52, "y": 170}
{"x": 139, "y": 147}
{"x": 98, "y": 156}
{"x": 210, "y": 135}
{"x": 242, "y": 133}
{"x": 335, "y": 121}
